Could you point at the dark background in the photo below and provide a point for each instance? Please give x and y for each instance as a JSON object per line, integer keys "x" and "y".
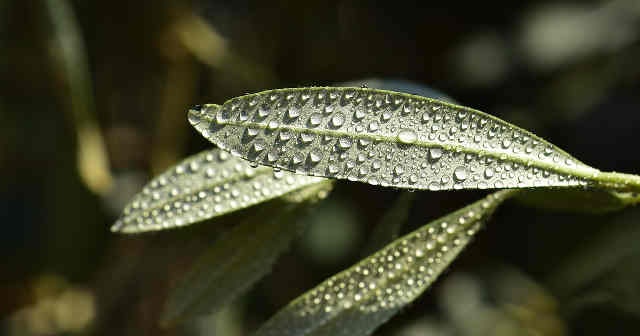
{"x": 93, "y": 100}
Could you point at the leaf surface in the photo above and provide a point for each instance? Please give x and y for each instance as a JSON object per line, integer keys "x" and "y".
{"x": 358, "y": 300}
{"x": 385, "y": 138}
{"x": 203, "y": 186}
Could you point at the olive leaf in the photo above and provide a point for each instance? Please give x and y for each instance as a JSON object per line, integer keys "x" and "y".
{"x": 391, "y": 139}
{"x": 241, "y": 256}
{"x": 361, "y": 298}
{"x": 206, "y": 185}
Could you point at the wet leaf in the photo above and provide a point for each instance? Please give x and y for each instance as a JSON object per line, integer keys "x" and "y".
{"x": 361, "y": 298}
{"x": 385, "y": 138}
{"x": 240, "y": 258}
{"x": 203, "y": 186}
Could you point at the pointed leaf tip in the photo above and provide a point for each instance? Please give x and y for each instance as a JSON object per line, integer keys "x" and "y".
{"x": 358, "y": 300}
{"x": 204, "y": 186}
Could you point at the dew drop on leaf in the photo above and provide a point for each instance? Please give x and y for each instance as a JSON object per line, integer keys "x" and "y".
{"x": 407, "y": 136}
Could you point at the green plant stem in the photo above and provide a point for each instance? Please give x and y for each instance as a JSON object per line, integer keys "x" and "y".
{"x": 619, "y": 182}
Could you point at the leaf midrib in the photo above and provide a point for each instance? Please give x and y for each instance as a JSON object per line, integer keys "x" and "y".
{"x": 585, "y": 173}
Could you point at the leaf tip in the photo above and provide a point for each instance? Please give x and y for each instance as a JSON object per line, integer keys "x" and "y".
{"x": 117, "y": 226}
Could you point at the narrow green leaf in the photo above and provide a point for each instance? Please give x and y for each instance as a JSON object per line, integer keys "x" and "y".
{"x": 239, "y": 258}
{"x": 593, "y": 201}
{"x": 69, "y": 55}
{"x": 388, "y": 228}
{"x": 206, "y": 185}
{"x": 385, "y": 138}
{"x": 358, "y": 300}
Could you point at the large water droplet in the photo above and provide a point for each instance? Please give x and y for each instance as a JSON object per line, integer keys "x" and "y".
{"x": 435, "y": 153}
{"x": 195, "y": 115}
{"x": 222, "y": 116}
{"x": 337, "y": 120}
{"x": 259, "y": 146}
{"x": 297, "y": 159}
{"x": 273, "y": 155}
{"x": 315, "y": 155}
{"x": 273, "y": 125}
{"x": 333, "y": 169}
{"x": 284, "y": 136}
{"x": 488, "y": 173}
{"x": 293, "y": 112}
{"x": 344, "y": 143}
{"x": 263, "y": 111}
{"x": 315, "y": 120}
{"x": 460, "y": 174}
{"x": 307, "y": 138}
{"x": 359, "y": 114}
{"x": 407, "y": 136}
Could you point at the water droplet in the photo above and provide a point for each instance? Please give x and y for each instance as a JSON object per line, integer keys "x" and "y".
{"x": 337, "y": 120}
{"x": 315, "y": 120}
{"x": 273, "y": 124}
{"x": 222, "y": 116}
{"x": 488, "y": 173}
{"x": 307, "y": 138}
{"x": 364, "y": 142}
{"x": 506, "y": 143}
{"x": 293, "y": 112}
{"x": 376, "y": 164}
{"x": 297, "y": 159}
{"x": 263, "y": 111}
{"x": 195, "y": 115}
{"x": 332, "y": 169}
{"x": 315, "y": 156}
{"x": 259, "y": 146}
{"x": 460, "y": 174}
{"x": 344, "y": 143}
{"x": 284, "y": 136}
{"x": 329, "y": 109}
{"x": 359, "y": 114}
{"x": 386, "y": 116}
{"x": 362, "y": 171}
{"x": 413, "y": 179}
{"x": 435, "y": 153}
{"x": 273, "y": 155}
{"x": 398, "y": 170}
{"x": 194, "y": 166}
{"x": 373, "y": 126}
{"x": 407, "y": 136}
{"x": 278, "y": 174}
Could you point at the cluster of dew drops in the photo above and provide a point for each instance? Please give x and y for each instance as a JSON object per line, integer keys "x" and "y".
{"x": 400, "y": 272}
{"x": 202, "y": 186}
{"x": 381, "y": 138}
